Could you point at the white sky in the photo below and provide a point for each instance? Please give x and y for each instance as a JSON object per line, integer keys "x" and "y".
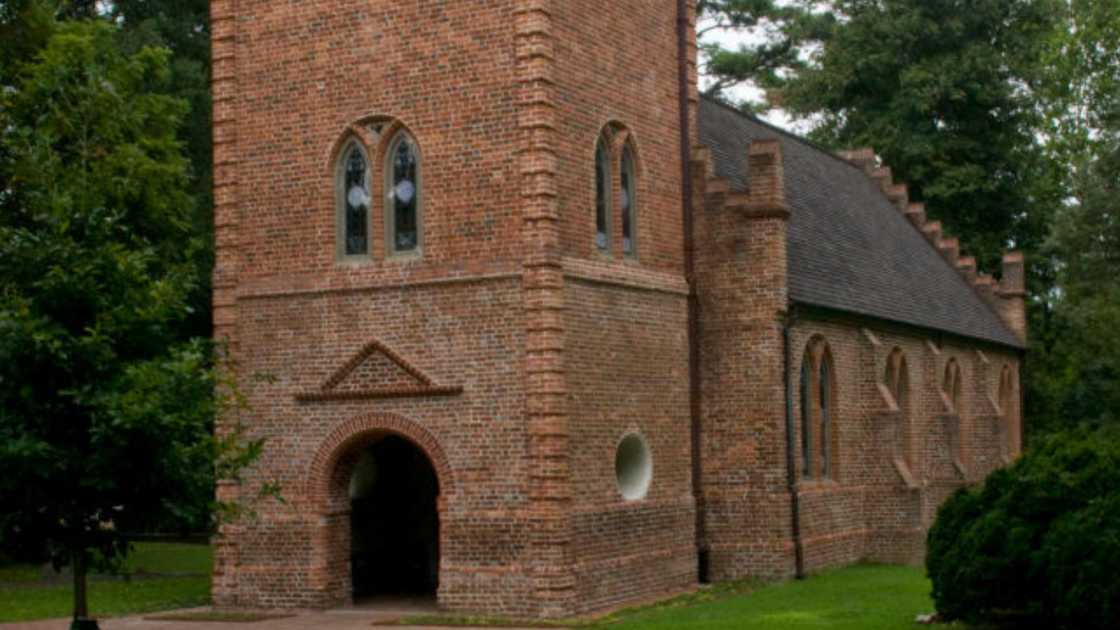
{"x": 732, "y": 40}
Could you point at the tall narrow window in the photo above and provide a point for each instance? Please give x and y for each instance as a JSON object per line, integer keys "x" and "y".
{"x": 952, "y": 387}
{"x": 354, "y": 202}
{"x": 1006, "y": 408}
{"x": 402, "y": 196}
{"x": 898, "y": 382}
{"x": 826, "y": 411}
{"x": 602, "y": 196}
{"x": 626, "y": 183}
{"x": 806, "y": 419}
{"x": 818, "y": 403}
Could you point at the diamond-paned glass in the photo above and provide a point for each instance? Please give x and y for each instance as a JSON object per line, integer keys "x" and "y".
{"x": 602, "y": 193}
{"x": 825, "y": 385}
{"x": 357, "y": 200}
{"x": 806, "y": 424}
{"x": 627, "y": 186}
{"x": 403, "y": 196}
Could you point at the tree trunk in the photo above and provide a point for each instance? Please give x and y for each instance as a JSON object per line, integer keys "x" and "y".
{"x": 81, "y": 594}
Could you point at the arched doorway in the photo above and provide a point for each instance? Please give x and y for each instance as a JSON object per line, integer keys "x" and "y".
{"x": 394, "y": 521}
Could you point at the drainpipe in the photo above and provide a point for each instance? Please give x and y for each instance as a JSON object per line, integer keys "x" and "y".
{"x": 684, "y": 88}
{"x": 791, "y": 448}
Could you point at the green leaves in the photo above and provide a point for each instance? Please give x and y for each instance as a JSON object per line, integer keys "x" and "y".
{"x": 1037, "y": 540}
{"x": 107, "y": 415}
{"x": 781, "y": 32}
{"x": 934, "y": 87}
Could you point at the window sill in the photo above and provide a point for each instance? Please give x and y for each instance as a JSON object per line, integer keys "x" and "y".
{"x": 350, "y": 261}
{"x": 404, "y": 257}
{"x": 817, "y": 485}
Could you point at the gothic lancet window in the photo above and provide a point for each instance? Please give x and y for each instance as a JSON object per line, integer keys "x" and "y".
{"x": 402, "y": 196}
{"x": 1007, "y": 400}
{"x": 602, "y": 195}
{"x": 628, "y": 208}
{"x": 354, "y": 202}
{"x": 825, "y": 406}
{"x": 897, "y": 380}
{"x": 952, "y": 386}
{"x": 818, "y": 410}
{"x": 806, "y": 419}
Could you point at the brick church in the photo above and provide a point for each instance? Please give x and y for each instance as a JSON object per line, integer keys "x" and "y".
{"x": 547, "y": 332}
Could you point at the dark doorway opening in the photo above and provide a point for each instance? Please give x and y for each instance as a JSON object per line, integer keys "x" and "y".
{"x": 394, "y": 522}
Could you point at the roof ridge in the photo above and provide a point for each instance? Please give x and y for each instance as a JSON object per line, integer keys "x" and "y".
{"x": 785, "y": 132}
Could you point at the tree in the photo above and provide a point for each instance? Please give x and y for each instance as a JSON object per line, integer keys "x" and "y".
{"x": 942, "y": 89}
{"x": 1075, "y": 363}
{"x": 1037, "y": 545}
{"x": 779, "y": 32}
{"x": 1079, "y": 377}
{"x": 183, "y": 27}
{"x": 106, "y": 416}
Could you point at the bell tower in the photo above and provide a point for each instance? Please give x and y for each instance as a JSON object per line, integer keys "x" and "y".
{"x": 457, "y": 226}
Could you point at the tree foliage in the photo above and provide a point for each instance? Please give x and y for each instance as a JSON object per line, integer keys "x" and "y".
{"x": 1039, "y": 542}
{"x": 106, "y": 414}
{"x": 778, "y": 34}
{"x": 942, "y": 90}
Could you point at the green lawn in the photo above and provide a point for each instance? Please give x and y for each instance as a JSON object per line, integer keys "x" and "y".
{"x": 162, "y": 576}
{"x": 856, "y": 598}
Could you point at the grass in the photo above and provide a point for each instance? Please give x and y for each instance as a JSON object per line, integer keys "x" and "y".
{"x": 169, "y": 576}
{"x": 155, "y": 577}
{"x": 855, "y": 598}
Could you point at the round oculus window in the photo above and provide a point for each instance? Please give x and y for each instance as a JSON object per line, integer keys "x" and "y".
{"x": 633, "y": 467}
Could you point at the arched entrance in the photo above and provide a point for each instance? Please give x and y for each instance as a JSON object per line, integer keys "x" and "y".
{"x": 413, "y": 471}
{"x": 394, "y": 521}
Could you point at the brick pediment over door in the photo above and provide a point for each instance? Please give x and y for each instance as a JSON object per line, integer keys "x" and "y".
{"x": 377, "y": 372}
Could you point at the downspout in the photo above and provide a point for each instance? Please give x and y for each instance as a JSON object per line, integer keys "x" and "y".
{"x": 684, "y": 88}
{"x": 791, "y": 448}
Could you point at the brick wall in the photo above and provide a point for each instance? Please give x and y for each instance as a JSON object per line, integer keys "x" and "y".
{"x": 877, "y": 506}
{"x": 626, "y": 318}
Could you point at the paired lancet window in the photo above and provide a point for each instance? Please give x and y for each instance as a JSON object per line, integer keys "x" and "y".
{"x": 400, "y": 186}
{"x": 616, "y": 207}
{"x": 818, "y": 402}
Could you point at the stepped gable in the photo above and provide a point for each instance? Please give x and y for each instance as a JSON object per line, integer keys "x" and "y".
{"x": 856, "y": 243}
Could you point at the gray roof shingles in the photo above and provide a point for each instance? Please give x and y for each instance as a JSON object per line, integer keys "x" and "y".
{"x": 850, "y": 249}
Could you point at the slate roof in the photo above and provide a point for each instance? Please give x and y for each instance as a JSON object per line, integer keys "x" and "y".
{"x": 850, "y": 249}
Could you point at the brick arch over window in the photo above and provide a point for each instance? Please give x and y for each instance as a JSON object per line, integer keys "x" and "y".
{"x": 328, "y": 501}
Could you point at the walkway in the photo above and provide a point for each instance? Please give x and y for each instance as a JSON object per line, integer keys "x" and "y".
{"x": 346, "y": 619}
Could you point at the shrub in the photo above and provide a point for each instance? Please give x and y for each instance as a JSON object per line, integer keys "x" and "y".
{"x": 1039, "y": 541}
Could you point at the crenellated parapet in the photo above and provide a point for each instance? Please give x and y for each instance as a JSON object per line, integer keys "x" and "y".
{"x": 1007, "y": 297}
{"x": 742, "y": 289}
